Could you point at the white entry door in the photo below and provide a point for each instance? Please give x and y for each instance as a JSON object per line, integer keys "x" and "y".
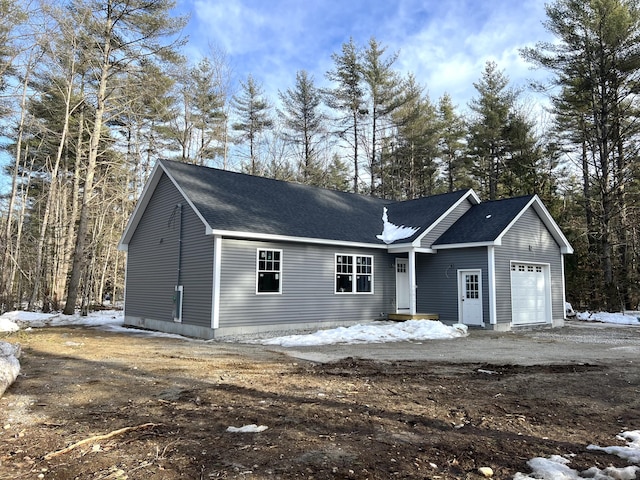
{"x": 403, "y": 300}
{"x": 470, "y": 297}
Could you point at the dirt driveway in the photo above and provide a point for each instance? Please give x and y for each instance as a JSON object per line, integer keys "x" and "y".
{"x": 143, "y": 407}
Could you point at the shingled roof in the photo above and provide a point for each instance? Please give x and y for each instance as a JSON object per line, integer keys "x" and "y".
{"x": 230, "y": 203}
{"x": 235, "y": 204}
{"x": 484, "y": 222}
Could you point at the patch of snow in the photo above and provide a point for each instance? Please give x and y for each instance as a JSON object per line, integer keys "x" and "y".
{"x": 253, "y": 428}
{"x": 631, "y": 453}
{"x": 410, "y": 330}
{"x": 569, "y": 310}
{"x": 8, "y": 325}
{"x": 33, "y": 319}
{"x": 9, "y": 364}
{"x": 556, "y": 467}
{"x": 391, "y": 233}
{"x": 624, "y": 318}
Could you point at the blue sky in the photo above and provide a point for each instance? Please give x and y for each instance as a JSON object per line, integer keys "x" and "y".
{"x": 445, "y": 43}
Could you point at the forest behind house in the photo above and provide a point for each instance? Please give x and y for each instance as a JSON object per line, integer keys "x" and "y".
{"x": 93, "y": 92}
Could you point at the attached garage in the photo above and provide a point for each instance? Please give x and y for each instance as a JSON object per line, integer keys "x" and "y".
{"x": 530, "y": 294}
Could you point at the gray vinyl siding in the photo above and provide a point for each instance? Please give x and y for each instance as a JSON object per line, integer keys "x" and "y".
{"x": 437, "y": 280}
{"x": 444, "y": 225}
{"x": 152, "y": 261}
{"x": 308, "y": 284}
{"x": 528, "y": 240}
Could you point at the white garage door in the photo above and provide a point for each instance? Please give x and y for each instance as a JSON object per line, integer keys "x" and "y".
{"x": 530, "y": 294}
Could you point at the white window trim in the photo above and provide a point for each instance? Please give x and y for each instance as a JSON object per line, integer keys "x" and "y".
{"x": 353, "y": 273}
{"x": 279, "y": 292}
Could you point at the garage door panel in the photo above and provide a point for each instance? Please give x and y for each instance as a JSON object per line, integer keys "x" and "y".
{"x": 530, "y": 294}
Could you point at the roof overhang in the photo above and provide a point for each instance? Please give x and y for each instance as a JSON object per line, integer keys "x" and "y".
{"x": 545, "y": 216}
{"x": 547, "y": 219}
{"x": 450, "y": 246}
{"x": 143, "y": 202}
{"x": 286, "y": 238}
{"x": 470, "y": 196}
{"x": 408, "y": 247}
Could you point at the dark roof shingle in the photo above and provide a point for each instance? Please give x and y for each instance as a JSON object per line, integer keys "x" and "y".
{"x": 243, "y": 203}
{"x": 484, "y": 222}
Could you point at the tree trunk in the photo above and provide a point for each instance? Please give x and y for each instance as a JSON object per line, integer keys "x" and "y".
{"x": 52, "y": 194}
{"x": 87, "y": 194}
{"x": 6, "y": 280}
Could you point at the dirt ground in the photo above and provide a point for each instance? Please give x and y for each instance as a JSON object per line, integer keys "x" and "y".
{"x": 142, "y": 407}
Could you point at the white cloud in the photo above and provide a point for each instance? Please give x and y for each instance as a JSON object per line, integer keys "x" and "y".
{"x": 444, "y": 44}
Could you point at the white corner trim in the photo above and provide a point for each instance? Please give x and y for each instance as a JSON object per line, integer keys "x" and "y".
{"x": 491, "y": 273}
{"x": 215, "y": 298}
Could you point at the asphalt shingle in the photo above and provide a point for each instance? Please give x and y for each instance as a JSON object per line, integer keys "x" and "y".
{"x": 243, "y": 203}
{"x": 484, "y": 222}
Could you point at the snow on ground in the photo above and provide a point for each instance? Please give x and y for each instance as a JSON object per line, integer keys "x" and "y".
{"x": 552, "y": 468}
{"x": 556, "y": 467}
{"x": 379, "y": 332}
{"x": 106, "y": 319}
{"x": 8, "y": 325}
{"x": 9, "y": 364}
{"x": 626, "y": 318}
{"x": 253, "y": 428}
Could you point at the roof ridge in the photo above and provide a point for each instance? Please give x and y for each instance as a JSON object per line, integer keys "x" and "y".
{"x": 276, "y": 180}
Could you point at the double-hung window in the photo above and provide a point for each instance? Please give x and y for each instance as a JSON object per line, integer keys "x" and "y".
{"x": 269, "y": 271}
{"x": 354, "y": 273}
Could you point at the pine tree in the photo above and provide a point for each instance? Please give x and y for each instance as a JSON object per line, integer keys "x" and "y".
{"x": 385, "y": 96}
{"x": 413, "y": 151}
{"x": 118, "y": 35}
{"x": 253, "y": 118}
{"x": 487, "y": 129}
{"x": 304, "y": 125}
{"x": 347, "y": 96}
{"x": 596, "y": 69}
{"x": 451, "y": 148}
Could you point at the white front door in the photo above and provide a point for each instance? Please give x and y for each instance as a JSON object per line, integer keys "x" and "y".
{"x": 470, "y": 297}
{"x": 403, "y": 299}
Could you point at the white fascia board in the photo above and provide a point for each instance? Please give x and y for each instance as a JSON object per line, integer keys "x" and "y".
{"x": 547, "y": 219}
{"x": 400, "y": 247}
{"x": 140, "y": 207}
{"x": 143, "y": 202}
{"x": 553, "y": 227}
{"x": 471, "y": 196}
{"x": 466, "y": 245}
{"x": 408, "y": 248}
{"x": 193, "y": 207}
{"x": 286, "y": 238}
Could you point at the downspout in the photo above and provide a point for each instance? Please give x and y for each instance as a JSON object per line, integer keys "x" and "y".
{"x": 177, "y": 294}
{"x": 179, "y": 207}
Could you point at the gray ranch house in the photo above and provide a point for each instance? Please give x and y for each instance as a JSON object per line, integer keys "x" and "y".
{"x": 212, "y": 253}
